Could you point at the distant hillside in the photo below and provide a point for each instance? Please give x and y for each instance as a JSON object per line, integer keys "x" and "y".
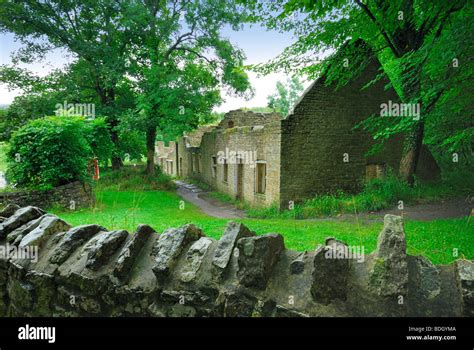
{"x": 4, "y": 106}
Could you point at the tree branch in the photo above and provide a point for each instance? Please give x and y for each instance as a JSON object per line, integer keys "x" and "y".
{"x": 180, "y": 39}
{"x": 182, "y": 48}
{"x": 382, "y": 30}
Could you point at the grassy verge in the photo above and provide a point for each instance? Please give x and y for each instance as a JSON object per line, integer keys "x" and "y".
{"x": 376, "y": 195}
{"x": 126, "y": 209}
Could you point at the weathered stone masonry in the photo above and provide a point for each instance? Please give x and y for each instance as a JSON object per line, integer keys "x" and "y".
{"x": 321, "y": 151}
{"x": 315, "y": 150}
{"x": 90, "y": 271}
{"x": 72, "y": 195}
{"x": 192, "y": 155}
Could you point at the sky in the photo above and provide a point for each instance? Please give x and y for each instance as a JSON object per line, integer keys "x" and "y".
{"x": 258, "y": 44}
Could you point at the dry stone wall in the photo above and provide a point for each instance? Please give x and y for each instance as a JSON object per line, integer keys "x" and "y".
{"x": 90, "y": 271}
{"x": 72, "y": 195}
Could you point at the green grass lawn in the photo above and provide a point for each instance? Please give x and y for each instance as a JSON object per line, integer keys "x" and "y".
{"x": 119, "y": 209}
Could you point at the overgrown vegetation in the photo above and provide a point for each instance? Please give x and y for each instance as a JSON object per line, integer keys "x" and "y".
{"x": 53, "y": 151}
{"x": 286, "y": 95}
{"x": 377, "y": 195}
{"x": 3, "y": 156}
{"x": 133, "y": 178}
{"x": 126, "y": 209}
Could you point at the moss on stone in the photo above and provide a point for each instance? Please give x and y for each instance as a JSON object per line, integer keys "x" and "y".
{"x": 379, "y": 270}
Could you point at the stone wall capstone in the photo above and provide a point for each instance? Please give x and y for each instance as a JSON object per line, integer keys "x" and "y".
{"x": 90, "y": 271}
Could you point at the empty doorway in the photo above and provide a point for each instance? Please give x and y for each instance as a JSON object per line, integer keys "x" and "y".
{"x": 240, "y": 181}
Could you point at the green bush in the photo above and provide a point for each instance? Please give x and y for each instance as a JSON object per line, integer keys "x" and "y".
{"x": 53, "y": 151}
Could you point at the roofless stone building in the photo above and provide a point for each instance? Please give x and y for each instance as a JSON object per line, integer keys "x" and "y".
{"x": 265, "y": 160}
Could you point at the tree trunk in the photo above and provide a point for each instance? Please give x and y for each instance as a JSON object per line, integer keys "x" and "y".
{"x": 116, "y": 159}
{"x": 150, "y": 150}
{"x": 411, "y": 154}
{"x": 413, "y": 139}
{"x": 107, "y": 98}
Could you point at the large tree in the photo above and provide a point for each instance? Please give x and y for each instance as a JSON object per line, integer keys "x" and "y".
{"x": 405, "y": 35}
{"x": 94, "y": 32}
{"x": 181, "y": 61}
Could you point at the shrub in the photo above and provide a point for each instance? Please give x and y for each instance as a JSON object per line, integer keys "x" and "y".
{"x": 53, "y": 151}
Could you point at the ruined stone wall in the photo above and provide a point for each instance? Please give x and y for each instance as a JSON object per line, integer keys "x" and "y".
{"x": 241, "y": 117}
{"x": 165, "y": 157}
{"x": 160, "y": 154}
{"x": 184, "y": 159}
{"x": 320, "y": 132}
{"x": 73, "y": 195}
{"x": 91, "y": 271}
{"x": 263, "y": 142}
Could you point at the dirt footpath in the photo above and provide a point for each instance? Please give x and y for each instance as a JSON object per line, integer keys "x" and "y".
{"x": 207, "y": 204}
{"x": 447, "y": 209}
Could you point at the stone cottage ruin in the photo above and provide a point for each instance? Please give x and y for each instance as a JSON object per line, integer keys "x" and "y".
{"x": 265, "y": 160}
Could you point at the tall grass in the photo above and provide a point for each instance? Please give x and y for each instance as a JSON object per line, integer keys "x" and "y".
{"x": 376, "y": 195}
{"x": 133, "y": 178}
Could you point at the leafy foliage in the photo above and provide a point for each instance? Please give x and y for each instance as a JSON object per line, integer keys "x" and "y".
{"x": 97, "y": 134}
{"x": 286, "y": 95}
{"x": 95, "y": 33}
{"x": 181, "y": 61}
{"x": 24, "y": 108}
{"x": 417, "y": 43}
{"x": 53, "y": 151}
{"x": 132, "y": 145}
{"x": 48, "y": 152}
